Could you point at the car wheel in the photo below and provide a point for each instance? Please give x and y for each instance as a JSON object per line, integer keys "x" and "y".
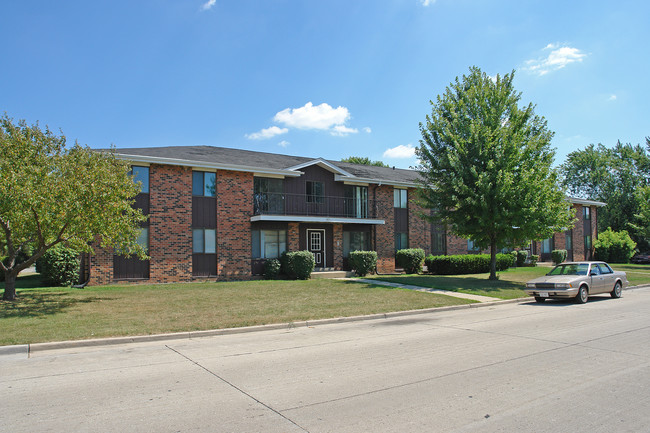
{"x": 539, "y": 299}
{"x": 583, "y": 295}
{"x": 618, "y": 290}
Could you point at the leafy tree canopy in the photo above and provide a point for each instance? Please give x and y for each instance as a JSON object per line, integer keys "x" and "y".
{"x": 485, "y": 165}
{"x": 614, "y": 176}
{"x": 364, "y": 161}
{"x": 51, "y": 195}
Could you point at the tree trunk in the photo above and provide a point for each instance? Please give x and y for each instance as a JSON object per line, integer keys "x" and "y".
{"x": 493, "y": 261}
{"x": 10, "y": 285}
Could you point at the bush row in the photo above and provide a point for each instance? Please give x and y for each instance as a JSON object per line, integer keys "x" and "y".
{"x": 466, "y": 263}
{"x": 59, "y": 266}
{"x": 297, "y": 265}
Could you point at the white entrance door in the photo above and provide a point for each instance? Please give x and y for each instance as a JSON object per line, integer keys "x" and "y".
{"x": 316, "y": 244}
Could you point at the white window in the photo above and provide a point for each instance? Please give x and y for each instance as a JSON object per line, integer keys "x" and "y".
{"x": 400, "y": 198}
{"x": 269, "y": 244}
{"x": 204, "y": 241}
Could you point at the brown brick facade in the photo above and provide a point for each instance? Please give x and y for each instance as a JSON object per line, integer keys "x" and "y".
{"x": 170, "y": 223}
{"x": 419, "y": 228}
{"x": 384, "y": 235}
{"x": 338, "y": 246}
{"x": 234, "y": 211}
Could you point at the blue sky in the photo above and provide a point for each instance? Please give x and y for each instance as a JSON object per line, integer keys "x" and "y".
{"x": 316, "y": 78}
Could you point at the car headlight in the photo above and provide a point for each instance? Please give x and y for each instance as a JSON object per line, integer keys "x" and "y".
{"x": 563, "y": 285}
{"x": 530, "y": 285}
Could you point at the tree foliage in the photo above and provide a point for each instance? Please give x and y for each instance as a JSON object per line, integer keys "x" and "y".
{"x": 364, "y": 160}
{"x": 51, "y": 195}
{"x": 641, "y": 223}
{"x": 611, "y": 175}
{"x": 614, "y": 247}
{"x": 485, "y": 165}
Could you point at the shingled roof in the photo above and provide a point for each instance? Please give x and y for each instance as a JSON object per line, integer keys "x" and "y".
{"x": 251, "y": 160}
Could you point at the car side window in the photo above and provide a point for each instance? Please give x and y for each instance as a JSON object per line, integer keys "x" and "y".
{"x": 605, "y": 269}
{"x": 595, "y": 270}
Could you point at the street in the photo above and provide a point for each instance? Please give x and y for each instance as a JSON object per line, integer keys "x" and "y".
{"x": 522, "y": 366}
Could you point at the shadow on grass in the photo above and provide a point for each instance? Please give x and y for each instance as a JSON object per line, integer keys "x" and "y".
{"x": 454, "y": 284}
{"x": 33, "y": 303}
{"x": 26, "y": 282}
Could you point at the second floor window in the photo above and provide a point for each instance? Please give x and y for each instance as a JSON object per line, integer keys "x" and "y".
{"x": 400, "y": 198}
{"x": 586, "y": 212}
{"x": 141, "y": 174}
{"x": 314, "y": 192}
{"x": 204, "y": 183}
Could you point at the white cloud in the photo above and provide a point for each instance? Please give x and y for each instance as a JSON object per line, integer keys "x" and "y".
{"x": 612, "y": 97}
{"x": 427, "y": 2}
{"x": 284, "y": 143}
{"x": 321, "y": 116}
{"x": 401, "y": 151}
{"x": 558, "y": 58}
{"x": 208, "y": 5}
{"x": 267, "y": 133}
{"x": 342, "y": 130}
{"x": 367, "y": 130}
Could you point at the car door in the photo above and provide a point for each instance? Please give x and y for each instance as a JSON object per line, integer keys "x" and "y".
{"x": 609, "y": 279}
{"x": 596, "y": 280}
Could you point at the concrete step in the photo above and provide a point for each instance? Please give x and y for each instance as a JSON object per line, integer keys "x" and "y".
{"x": 331, "y": 274}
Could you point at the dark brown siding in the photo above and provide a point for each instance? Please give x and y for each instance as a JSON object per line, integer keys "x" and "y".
{"x": 401, "y": 220}
{"x": 132, "y": 268}
{"x": 329, "y": 240}
{"x": 204, "y": 212}
{"x": 204, "y": 265}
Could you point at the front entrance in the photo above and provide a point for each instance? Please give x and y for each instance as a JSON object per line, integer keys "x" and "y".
{"x": 316, "y": 244}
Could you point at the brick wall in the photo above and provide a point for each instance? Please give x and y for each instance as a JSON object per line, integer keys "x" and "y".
{"x": 170, "y": 223}
{"x": 234, "y": 211}
{"x": 293, "y": 237}
{"x": 338, "y": 246}
{"x": 101, "y": 266}
{"x": 578, "y": 235}
{"x": 384, "y": 233}
{"x": 419, "y": 229}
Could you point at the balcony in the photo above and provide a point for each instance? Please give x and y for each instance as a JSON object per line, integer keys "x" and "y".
{"x": 303, "y": 207}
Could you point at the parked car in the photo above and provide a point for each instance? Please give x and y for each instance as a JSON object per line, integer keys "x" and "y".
{"x": 641, "y": 258}
{"x": 577, "y": 280}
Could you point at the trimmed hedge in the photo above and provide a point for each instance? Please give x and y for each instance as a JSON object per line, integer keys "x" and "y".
{"x": 522, "y": 256}
{"x": 59, "y": 266}
{"x": 363, "y": 262}
{"x": 272, "y": 269}
{"x": 298, "y": 264}
{"x": 466, "y": 264}
{"x": 410, "y": 259}
{"x": 558, "y": 256}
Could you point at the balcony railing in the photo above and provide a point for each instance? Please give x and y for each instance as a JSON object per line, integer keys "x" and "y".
{"x": 312, "y": 205}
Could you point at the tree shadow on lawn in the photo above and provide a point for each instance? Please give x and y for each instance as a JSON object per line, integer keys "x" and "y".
{"x": 34, "y": 303}
{"x": 456, "y": 284}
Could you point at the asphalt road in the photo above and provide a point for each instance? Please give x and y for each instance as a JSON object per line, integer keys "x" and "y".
{"x": 556, "y": 367}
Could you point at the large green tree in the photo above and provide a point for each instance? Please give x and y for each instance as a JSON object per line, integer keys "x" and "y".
{"x": 51, "y": 195}
{"x": 364, "y": 160}
{"x": 612, "y": 175}
{"x": 485, "y": 165}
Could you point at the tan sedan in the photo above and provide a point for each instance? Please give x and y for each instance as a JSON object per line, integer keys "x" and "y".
{"x": 578, "y": 280}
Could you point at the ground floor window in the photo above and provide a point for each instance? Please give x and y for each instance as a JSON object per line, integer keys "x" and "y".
{"x": 547, "y": 246}
{"x": 401, "y": 241}
{"x": 204, "y": 241}
{"x": 269, "y": 244}
{"x": 472, "y": 247}
{"x": 355, "y": 241}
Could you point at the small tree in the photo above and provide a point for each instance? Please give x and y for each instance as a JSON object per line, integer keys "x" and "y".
{"x": 485, "y": 166}
{"x": 615, "y": 247}
{"x": 50, "y": 195}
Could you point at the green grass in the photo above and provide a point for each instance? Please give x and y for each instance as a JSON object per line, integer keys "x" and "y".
{"x": 56, "y": 314}
{"x": 510, "y": 284}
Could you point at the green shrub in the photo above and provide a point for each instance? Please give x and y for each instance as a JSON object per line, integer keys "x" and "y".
{"x": 614, "y": 247}
{"x": 558, "y": 256}
{"x": 534, "y": 258}
{"x": 363, "y": 262}
{"x": 272, "y": 269}
{"x": 466, "y": 264}
{"x": 411, "y": 260}
{"x": 59, "y": 266}
{"x": 522, "y": 256}
{"x": 297, "y": 264}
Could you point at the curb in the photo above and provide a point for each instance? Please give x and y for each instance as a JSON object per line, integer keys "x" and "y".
{"x": 28, "y": 349}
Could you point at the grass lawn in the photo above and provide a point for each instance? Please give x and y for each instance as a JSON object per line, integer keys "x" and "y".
{"x": 56, "y": 314}
{"x": 510, "y": 284}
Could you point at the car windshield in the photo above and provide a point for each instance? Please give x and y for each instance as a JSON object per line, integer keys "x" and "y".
{"x": 570, "y": 269}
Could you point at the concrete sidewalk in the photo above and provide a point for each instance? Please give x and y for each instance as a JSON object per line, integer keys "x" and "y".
{"x": 478, "y": 298}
